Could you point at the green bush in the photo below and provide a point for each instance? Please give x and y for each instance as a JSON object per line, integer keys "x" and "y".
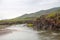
{"x": 30, "y": 25}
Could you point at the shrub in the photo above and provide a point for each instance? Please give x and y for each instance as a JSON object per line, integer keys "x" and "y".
{"x": 30, "y": 25}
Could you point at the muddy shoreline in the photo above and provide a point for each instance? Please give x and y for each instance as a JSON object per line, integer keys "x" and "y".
{"x": 3, "y": 29}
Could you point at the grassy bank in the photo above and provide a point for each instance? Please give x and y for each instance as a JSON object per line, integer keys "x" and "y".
{"x": 4, "y": 26}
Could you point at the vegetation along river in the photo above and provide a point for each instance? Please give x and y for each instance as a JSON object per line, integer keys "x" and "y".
{"x": 22, "y": 32}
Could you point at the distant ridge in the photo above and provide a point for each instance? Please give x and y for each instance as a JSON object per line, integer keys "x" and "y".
{"x": 39, "y": 13}
{"x": 26, "y": 17}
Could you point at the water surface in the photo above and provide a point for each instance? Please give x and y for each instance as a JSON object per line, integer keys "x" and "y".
{"x": 22, "y": 32}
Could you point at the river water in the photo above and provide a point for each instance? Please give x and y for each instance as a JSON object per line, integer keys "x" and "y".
{"x": 22, "y": 32}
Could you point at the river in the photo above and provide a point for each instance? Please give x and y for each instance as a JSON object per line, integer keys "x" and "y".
{"x": 22, "y": 32}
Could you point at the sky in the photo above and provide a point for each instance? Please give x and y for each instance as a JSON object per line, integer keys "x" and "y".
{"x": 13, "y": 8}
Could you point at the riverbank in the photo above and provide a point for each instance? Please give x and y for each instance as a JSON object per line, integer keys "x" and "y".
{"x": 4, "y": 26}
{"x": 3, "y": 29}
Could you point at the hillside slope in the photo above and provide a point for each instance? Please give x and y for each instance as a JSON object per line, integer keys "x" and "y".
{"x": 39, "y": 13}
{"x": 31, "y": 16}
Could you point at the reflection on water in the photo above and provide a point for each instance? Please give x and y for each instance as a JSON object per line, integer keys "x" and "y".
{"x": 24, "y": 33}
{"x": 49, "y": 36}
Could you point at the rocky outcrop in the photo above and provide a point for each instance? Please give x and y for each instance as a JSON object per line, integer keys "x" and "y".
{"x": 51, "y": 23}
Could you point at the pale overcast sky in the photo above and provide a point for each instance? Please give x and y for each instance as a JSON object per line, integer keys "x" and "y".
{"x": 14, "y": 8}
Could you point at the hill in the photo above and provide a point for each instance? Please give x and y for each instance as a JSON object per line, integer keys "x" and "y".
{"x": 37, "y": 14}
{"x": 26, "y": 17}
